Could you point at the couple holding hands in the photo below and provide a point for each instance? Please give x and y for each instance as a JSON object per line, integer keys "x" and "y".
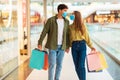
{"x": 60, "y": 37}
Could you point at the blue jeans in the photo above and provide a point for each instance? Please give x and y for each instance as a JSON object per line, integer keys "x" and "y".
{"x": 55, "y": 63}
{"x": 79, "y": 54}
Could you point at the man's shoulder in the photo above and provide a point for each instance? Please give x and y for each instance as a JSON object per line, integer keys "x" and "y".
{"x": 54, "y": 18}
{"x": 66, "y": 20}
{"x": 51, "y": 18}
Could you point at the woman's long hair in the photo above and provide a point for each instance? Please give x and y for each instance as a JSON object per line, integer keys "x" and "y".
{"x": 78, "y": 22}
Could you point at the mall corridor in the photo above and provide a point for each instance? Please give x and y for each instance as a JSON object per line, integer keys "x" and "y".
{"x": 22, "y": 21}
{"x": 24, "y": 72}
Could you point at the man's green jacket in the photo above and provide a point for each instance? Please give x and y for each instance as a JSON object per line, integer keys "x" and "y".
{"x": 51, "y": 29}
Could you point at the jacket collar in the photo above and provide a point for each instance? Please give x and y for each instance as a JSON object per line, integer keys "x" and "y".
{"x": 57, "y": 17}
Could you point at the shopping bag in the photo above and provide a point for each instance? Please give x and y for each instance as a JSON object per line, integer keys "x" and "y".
{"x": 88, "y": 67}
{"x": 102, "y": 60}
{"x": 93, "y": 62}
{"x": 45, "y": 67}
{"x": 37, "y": 59}
{"x": 96, "y": 62}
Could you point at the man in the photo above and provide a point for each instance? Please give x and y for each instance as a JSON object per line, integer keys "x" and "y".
{"x": 57, "y": 42}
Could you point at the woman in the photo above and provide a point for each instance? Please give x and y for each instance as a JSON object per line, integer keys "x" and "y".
{"x": 79, "y": 37}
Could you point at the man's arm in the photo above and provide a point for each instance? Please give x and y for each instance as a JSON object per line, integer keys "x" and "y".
{"x": 67, "y": 39}
{"x": 43, "y": 34}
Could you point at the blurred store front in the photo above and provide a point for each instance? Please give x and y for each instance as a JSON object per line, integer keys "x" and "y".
{"x": 8, "y": 36}
{"x": 104, "y": 17}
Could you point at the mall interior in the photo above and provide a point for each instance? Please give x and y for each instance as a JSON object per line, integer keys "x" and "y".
{"x": 22, "y": 21}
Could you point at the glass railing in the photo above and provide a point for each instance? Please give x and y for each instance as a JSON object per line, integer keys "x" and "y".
{"x": 107, "y": 36}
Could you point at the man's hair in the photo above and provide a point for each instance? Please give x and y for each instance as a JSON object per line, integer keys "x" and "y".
{"x": 62, "y": 6}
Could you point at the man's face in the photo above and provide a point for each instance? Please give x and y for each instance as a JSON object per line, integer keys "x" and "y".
{"x": 62, "y": 11}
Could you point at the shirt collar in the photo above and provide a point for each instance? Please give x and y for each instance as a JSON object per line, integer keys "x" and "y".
{"x": 57, "y": 17}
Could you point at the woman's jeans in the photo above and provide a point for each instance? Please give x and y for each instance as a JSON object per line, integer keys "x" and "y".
{"x": 79, "y": 54}
{"x": 55, "y": 63}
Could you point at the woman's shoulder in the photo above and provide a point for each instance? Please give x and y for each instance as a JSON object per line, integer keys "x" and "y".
{"x": 71, "y": 25}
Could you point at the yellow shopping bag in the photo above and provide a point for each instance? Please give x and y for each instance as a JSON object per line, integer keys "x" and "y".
{"x": 102, "y": 60}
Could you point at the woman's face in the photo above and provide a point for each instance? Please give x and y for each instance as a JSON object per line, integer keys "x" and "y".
{"x": 72, "y": 16}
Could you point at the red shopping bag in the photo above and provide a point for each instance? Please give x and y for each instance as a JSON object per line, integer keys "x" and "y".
{"x": 45, "y": 67}
{"x": 93, "y": 62}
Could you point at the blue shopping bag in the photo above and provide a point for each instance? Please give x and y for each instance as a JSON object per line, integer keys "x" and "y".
{"x": 37, "y": 59}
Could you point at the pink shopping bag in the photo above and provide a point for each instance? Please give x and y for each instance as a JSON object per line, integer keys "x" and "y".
{"x": 93, "y": 62}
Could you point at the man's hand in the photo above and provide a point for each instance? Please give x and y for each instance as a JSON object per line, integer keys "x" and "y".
{"x": 40, "y": 47}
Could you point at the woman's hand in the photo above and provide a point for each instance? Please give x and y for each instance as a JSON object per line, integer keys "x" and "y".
{"x": 93, "y": 49}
